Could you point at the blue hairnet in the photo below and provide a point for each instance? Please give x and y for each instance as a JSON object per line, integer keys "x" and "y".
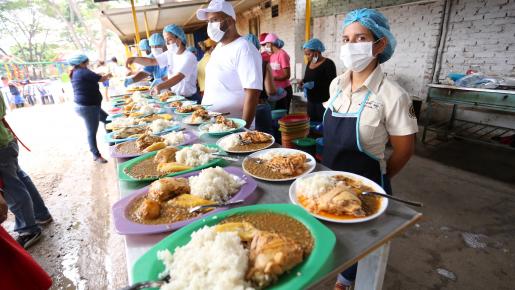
{"x": 192, "y": 49}
{"x": 156, "y": 39}
{"x": 279, "y": 43}
{"x": 376, "y": 22}
{"x": 143, "y": 44}
{"x": 177, "y": 31}
{"x": 253, "y": 39}
{"x": 77, "y": 59}
{"x": 314, "y": 44}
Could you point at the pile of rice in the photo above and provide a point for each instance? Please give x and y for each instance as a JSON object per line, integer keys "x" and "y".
{"x": 136, "y": 96}
{"x": 230, "y": 141}
{"x": 215, "y": 184}
{"x": 217, "y": 128}
{"x": 210, "y": 260}
{"x": 315, "y": 185}
{"x": 195, "y": 155}
{"x": 147, "y": 109}
{"x": 123, "y": 122}
{"x": 174, "y": 138}
{"x": 159, "y": 125}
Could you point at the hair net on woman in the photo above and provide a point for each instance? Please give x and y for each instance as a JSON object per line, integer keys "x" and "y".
{"x": 156, "y": 39}
{"x": 279, "y": 43}
{"x": 376, "y": 22}
{"x": 314, "y": 44}
{"x": 177, "y": 31}
{"x": 77, "y": 59}
{"x": 253, "y": 39}
{"x": 143, "y": 44}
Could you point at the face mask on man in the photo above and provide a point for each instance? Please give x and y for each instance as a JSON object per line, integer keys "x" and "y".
{"x": 357, "y": 56}
{"x": 214, "y": 32}
{"x": 314, "y": 59}
{"x": 173, "y": 48}
{"x": 156, "y": 51}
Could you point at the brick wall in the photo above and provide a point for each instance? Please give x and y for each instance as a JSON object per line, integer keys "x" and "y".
{"x": 481, "y": 36}
{"x": 332, "y": 7}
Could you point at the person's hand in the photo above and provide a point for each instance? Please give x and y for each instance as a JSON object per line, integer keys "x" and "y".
{"x": 128, "y": 62}
{"x": 3, "y": 209}
{"x": 155, "y": 90}
{"x": 300, "y": 83}
{"x": 109, "y": 75}
{"x": 128, "y": 81}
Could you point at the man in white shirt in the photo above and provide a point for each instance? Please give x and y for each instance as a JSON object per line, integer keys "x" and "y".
{"x": 234, "y": 75}
{"x": 181, "y": 64}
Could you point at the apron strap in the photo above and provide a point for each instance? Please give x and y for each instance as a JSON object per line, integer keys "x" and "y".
{"x": 14, "y": 134}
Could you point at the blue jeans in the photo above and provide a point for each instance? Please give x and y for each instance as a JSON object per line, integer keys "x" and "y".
{"x": 22, "y": 197}
{"x": 264, "y": 118}
{"x": 92, "y": 116}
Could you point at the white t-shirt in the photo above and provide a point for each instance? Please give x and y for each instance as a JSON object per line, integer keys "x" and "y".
{"x": 231, "y": 69}
{"x": 388, "y": 111}
{"x": 184, "y": 63}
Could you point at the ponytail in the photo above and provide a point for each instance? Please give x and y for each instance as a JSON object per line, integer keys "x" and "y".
{"x": 72, "y": 70}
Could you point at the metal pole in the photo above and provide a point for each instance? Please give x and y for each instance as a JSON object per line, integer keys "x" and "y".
{"x": 136, "y": 29}
{"x": 146, "y": 25}
{"x": 307, "y": 34}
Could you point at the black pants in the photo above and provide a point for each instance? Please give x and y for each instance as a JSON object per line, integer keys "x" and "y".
{"x": 285, "y": 102}
{"x": 316, "y": 111}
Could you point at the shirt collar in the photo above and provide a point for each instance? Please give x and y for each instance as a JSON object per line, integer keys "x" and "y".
{"x": 373, "y": 82}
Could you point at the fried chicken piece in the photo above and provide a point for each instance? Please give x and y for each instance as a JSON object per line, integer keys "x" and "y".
{"x": 149, "y": 209}
{"x": 289, "y": 165}
{"x": 165, "y": 155}
{"x": 127, "y": 132}
{"x": 167, "y": 188}
{"x": 227, "y": 122}
{"x": 199, "y": 115}
{"x": 146, "y": 140}
{"x": 175, "y": 104}
{"x": 189, "y": 108}
{"x": 271, "y": 255}
{"x": 341, "y": 200}
{"x": 255, "y": 137}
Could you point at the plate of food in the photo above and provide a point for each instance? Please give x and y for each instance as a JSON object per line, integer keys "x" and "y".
{"x": 168, "y": 162}
{"x": 198, "y": 117}
{"x": 149, "y": 143}
{"x": 138, "y": 89}
{"x": 222, "y": 126}
{"x": 246, "y": 142}
{"x": 176, "y": 104}
{"x": 164, "y": 205}
{"x": 336, "y": 196}
{"x": 278, "y": 164}
{"x": 125, "y": 134}
{"x": 187, "y": 109}
{"x": 237, "y": 249}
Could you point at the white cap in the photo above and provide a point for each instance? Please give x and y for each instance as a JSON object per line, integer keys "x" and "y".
{"x": 216, "y": 6}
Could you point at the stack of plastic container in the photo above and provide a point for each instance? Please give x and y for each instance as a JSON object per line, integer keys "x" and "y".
{"x": 293, "y": 127}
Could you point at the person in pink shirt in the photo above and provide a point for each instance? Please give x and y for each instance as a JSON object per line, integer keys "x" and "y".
{"x": 264, "y": 54}
{"x": 280, "y": 64}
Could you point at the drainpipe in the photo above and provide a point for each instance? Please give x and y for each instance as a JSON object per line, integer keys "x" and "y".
{"x": 444, "y": 27}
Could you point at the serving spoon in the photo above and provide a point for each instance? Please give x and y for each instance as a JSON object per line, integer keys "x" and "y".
{"x": 222, "y": 204}
{"x": 149, "y": 284}
{"x": 413, "y": 203}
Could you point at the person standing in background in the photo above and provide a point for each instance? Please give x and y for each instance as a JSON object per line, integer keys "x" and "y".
{"x": 234, "y": 75}
{"x": 209, "y": 45}
{"x": 22, "y": 196}
{"x": 87, "y": 98}
{"x": 280, "y": 64}
{"x": 318, "y": 75}
{"x": 265, "y": 55}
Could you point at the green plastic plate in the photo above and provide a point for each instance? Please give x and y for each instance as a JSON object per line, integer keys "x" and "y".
{"x": 148, "y": 267}
{"x": 129, "y": 164}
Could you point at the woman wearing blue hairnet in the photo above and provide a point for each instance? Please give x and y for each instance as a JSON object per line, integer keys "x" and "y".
{"x": 158, "y": 74}
{"x": 87, "y": 98}
{"x": 180, "y": 62}
{"x": 319, "y": 73}
{"x": 366, "y": 109}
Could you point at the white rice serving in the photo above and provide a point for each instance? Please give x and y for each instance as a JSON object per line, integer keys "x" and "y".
{"x": 159, "y": 125}
{"x": 230, "y": 141}
{"x": 174, "y": 138}
{"x": 210, "y": 260}
{"x": 217, "y": 128}
{"x": 315, "y": 185}
{"x": 215, "y": 184}
{"x": 195, "y": 155}
{"x": 146, "y": 109}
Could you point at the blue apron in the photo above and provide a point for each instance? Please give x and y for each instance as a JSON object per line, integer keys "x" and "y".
{"x": 342, "y": 147}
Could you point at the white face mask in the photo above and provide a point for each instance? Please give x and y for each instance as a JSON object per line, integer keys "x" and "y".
{"x": 314, "y": 59}
{"x": 156, "y": 51}
{"x": 173, "y": 48}
{"x": 268, "y": 49}
{"x": 356, "y": 56}
{"x": 214, "y": 32}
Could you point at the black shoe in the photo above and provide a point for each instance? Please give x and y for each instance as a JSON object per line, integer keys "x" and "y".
{"x": 44, "y": 221}
{"x": 100, "y": 159}
{"x": 27, "y": 240}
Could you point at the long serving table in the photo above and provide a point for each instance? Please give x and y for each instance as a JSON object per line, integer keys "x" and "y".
{"x": 365, "y": 242}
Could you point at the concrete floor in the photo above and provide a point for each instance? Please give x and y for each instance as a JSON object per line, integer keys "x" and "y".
{"x": 466, "y": 239}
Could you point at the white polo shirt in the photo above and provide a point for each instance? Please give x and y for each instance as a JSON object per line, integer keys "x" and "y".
{"x": 388, "y": 111}
{"x": 184, "y": 63}
{"x": 231, "y": 69}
